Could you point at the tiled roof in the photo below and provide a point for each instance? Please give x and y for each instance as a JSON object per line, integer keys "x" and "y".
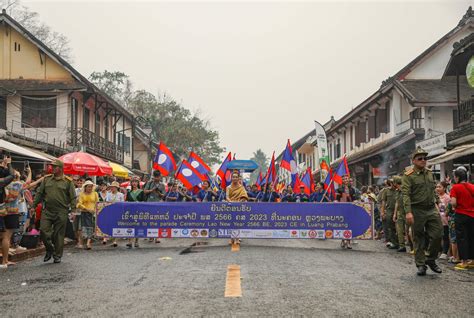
{"x": 435, "y": 91}
{"x": 10, "y": 86}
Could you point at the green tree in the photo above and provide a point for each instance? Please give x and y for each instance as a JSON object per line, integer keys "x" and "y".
{"x": 181, "y": 129}
{"x": 115, "y": 84}
{"x": 262, "y": 160}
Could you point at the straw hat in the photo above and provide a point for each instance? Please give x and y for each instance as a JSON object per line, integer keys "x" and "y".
{"x": 115, "y": 184}
{"x": 88, "y": 182}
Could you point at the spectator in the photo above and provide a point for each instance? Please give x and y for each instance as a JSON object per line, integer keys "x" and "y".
{"x": 444, "y": 200}
{"x": 6, "y": 176}
{"x": 462, "y": 199}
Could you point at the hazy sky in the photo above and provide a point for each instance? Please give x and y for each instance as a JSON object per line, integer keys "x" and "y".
{"x": 261, "y": 71}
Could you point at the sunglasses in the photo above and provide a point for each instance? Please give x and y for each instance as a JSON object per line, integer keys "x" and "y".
{"x": 421, "y": 158}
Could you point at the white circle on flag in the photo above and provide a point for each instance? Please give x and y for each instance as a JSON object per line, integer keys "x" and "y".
{"x": 195, "y": 164}
{"x": 187, "y": 172}
{"x": 293, "y": 166}
{"x": 162, "y": 158}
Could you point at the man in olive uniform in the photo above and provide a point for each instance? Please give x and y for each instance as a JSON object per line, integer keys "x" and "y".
{"x": 399, "y": 215}
{"x": 58, "y": 196}
{"x": 389, "y": 199}
{"x": 418, "y": 190}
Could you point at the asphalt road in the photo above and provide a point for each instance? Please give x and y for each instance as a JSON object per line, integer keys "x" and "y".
{"x": 278, "y": 278}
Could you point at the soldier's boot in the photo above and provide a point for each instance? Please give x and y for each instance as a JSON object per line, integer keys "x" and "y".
{"x": 421, "y": 270}
{"x": 434, "y": 267}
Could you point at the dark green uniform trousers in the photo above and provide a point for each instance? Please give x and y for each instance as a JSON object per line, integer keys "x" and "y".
{"x": 391, "y": 235}
{"x": 401, "y": 231}
{"x": 427, "y": 235}
{"x": 53, "y": 230}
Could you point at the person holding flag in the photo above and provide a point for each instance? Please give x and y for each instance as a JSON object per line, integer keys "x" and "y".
{"x": 206, "y": 194}
{"x": 319, "y": 195}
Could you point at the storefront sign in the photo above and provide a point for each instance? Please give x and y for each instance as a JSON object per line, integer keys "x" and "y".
{"x": 434, "y": 145}
{"x": 237, "y": 220}
{"x": 323, "y": 153}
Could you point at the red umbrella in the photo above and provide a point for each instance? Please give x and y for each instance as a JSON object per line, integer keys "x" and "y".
{"x": 81, "y": 163}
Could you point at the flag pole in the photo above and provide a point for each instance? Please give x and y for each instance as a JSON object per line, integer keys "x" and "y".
{"x": 326, "y": 191}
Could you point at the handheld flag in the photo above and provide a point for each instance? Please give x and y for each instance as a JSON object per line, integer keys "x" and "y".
{"x": 271, "y": 172}
{"x": 329, "y": 185}
{"x": 296, "y": 185}
{"x": 306, "y": 182}
{"x": 188, "y": 175}
{"x": 342, "y": 170}
{"x": 164, "y": 161}
{"x": 198, "y": 163}
{"x": 288, "y": 162}
{"x": 222, "y": 171}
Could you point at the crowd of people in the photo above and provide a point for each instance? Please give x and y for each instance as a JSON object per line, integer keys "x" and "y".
{"x": 54, "y": 206}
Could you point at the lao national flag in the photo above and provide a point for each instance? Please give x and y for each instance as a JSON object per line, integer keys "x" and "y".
{"x": 288, "y": 162}
{"x": 342, "y": 170}
{"x": 259, "y": 181}
{"x": 223, "y": 171}
{"x": 296, "y": 185}
{"x": 306, "y": 181}
{"x": 198, "y": 163}
{"x": 271, "y": 173}
{"x": 329, "y": 186}
{"x": 189, "y": 176}
{"x": 164, "y": 161}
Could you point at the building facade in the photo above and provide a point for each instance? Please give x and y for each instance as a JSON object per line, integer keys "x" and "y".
{"x": 48, "y": 105}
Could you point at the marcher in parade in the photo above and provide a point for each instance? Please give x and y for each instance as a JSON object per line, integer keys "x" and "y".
{"x": 86, "y": 203}
{"x": 444, "y": 200}
{"x": 173, "y": 194}
{"x": 389, "y": 200}
{"x": 269, "y": 194}
{"x": 206, "y": 194}
{"x": 302, "y": 196}
{"x": 58, "y": 196}
{"x": 289, "y": 196}
{"x": 386, "y": 185}
{"x": 154, "y": 189}
{"x": 462, "y": 200}
{"x": 345, "y": 193}
{"x": 319, "y": 195}
{"x": 7, "y": 174}
{"x": 236, "y": 191}
{"x": 253, "y": 193}
{"x": 399, "y": 217}
{"x": 114, "y": 195}
{"x": 418, "y": 190}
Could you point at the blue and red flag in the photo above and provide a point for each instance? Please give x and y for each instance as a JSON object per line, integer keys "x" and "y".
{"x": 259, "y": 181}
{"x": 288, "y": 162}
{"x": 198, "y": 163}
{"x": 329, "y": 186}
{"x": 223, "y": 172}
{"x": 271, "y": 172}
{"x": 164, "y": 160}
{"x": 188, "y": 175}
{"x": 306, "y": 182}
{"x": 342, "y": 170}
{"x": 296, "y": 185}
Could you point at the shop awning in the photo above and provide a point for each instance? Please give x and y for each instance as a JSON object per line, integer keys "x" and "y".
{"x": 457, "y": 152}
{"x": 21, "y": 151}
{"x": 119, "y": 170}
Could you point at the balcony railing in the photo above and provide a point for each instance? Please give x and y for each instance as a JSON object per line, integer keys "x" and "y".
{"x": 412, "y": 123}
{"x": 83, "y": 138}
{"x": 466, "y": 112}
{"x": 464, "y": 131}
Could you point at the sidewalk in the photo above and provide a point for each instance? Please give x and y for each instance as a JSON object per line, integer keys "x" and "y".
{"x": 30, "y": 253}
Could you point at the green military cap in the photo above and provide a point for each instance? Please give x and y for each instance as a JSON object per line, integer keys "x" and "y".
{"x": 419, "y": 151}
{"x": 397, "y": 180}
{"x": 58, "y": 163}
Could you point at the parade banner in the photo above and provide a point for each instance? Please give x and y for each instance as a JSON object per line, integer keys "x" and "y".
{"x": 323, "y": 152}
{"x": 236, "y": 220}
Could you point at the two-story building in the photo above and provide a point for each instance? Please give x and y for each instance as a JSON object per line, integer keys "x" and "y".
{"x": 48, "y": 105}
{"x": 416, "y": 106}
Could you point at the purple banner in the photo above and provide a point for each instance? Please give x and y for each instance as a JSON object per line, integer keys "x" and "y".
{"x": 236, "y": 220}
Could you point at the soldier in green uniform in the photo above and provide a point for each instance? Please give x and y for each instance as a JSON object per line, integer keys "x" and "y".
{"x": 389, "y": 199}
{"x": 418, "y": 190}
{"x": 399, "y": 215}
{"x": 58, "y": 196}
